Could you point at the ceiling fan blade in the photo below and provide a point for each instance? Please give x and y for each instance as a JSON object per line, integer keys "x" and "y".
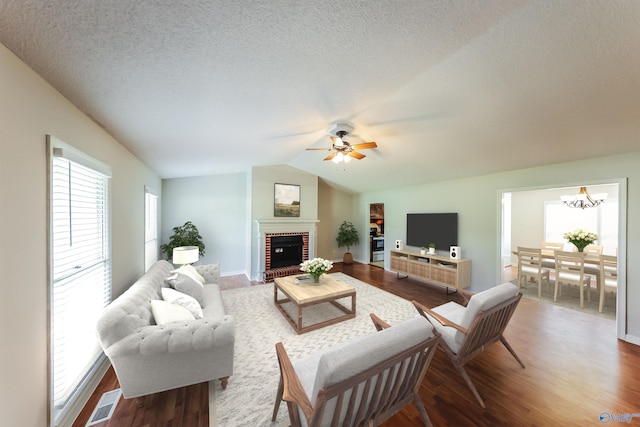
{"x": 330, "y": 156}
{"x": 356, "y": 155}
{"x": 318, "y": 149}
{"x": 365, "y": 145}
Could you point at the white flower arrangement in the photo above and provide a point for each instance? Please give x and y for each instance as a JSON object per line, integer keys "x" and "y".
{"x": 316, "y": 266}
{"x": 580, "y": 238}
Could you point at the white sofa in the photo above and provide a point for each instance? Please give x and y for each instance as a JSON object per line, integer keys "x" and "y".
{"x": 150, "y": 358}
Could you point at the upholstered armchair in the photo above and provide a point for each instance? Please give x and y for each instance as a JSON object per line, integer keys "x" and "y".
{"x": 363, "y": 381}
{"x": 470, "y": 328}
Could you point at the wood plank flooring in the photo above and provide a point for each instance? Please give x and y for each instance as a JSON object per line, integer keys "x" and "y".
{"x": 576, "y": 370}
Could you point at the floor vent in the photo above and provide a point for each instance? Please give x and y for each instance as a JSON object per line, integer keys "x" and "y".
{"x": 106, "y": 406}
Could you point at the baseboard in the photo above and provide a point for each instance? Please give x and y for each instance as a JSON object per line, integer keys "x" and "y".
{"x": 632, "y": 339}
{"x": 234, "y": 273}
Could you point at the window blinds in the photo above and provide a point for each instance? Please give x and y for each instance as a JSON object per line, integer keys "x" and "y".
{"x": 80, "y": 268}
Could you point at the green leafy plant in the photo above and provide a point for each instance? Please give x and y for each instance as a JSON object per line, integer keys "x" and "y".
{"x": 347, "y": 235}
{"x": 184, "y": 235}
{"x": 432, "y": 245}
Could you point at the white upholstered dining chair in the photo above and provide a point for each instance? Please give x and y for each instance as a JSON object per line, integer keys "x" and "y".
{"x": 593, "y": 250}
{"x": 530, "y": 267}
{"x": 548, "y": 250}
{"x": 608, "y": 277}
{"x": 570, "y": 271}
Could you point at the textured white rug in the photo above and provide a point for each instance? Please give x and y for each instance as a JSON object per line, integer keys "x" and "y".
{"x": 250, "y": 395}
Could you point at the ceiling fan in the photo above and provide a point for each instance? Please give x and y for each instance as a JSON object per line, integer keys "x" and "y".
{"x": 342, "y": 151}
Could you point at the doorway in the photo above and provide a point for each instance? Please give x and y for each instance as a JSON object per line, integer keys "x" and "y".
{"x": 532, "y": 215}
{"x": 376, "y": 234}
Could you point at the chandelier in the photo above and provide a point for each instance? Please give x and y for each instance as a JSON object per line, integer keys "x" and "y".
{"x": 583, "y": 200}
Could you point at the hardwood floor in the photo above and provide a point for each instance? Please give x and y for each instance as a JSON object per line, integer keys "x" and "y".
{"x": 576, "y": 370}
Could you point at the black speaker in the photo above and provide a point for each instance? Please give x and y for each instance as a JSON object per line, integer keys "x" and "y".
{"x": 454, "y": 251}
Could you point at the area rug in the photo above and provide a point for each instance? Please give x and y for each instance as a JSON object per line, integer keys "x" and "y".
{"x": 250, "y": 394}
{"x": 570, "y": 298}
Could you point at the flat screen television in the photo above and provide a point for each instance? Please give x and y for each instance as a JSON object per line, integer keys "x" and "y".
{"x": 438, "y": 228}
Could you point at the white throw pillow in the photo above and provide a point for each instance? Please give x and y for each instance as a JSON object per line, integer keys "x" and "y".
{"x": 164, "y": 312}
{"x": 189, "y": 270}
{"x": 186, "y": 285}
{"x": 184, "y": 300}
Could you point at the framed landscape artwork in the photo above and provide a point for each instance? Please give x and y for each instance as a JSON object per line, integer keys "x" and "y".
{"x": 286, "y": 200}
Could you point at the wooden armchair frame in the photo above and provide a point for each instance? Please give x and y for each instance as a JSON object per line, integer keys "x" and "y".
{"x": 389, "y": 393}
{"x": 487, "y": 328}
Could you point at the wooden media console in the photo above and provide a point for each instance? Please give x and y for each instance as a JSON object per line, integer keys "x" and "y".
{"x": 441, "y": 270}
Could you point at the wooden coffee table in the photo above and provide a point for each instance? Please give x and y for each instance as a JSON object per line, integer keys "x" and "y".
{"x": 329, "y": 290}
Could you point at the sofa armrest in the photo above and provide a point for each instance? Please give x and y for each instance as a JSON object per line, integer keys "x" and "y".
{"x": 210, "y": 272}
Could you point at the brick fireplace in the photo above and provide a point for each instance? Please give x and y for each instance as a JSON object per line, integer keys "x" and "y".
{"x": 286, "y": 231}
{"x": 291, "y": 264}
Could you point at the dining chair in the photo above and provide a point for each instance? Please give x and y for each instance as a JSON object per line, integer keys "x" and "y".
{"x": 570, "y": 271}
{"x": 548, "y": 251}
{"x": 593, "y": 249}
{"x": 530, "y": 267}
{"x": 608, "y": 276}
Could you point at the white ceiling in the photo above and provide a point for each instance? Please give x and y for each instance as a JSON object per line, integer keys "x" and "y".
{"x": 448, "y": 89}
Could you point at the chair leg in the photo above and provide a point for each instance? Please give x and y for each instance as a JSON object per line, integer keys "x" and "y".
{"x": 422, "y": 411}
{"x": 278, "y": 400}
{"x": 581, "y": 296}
{"x": 467, "y": 379}
{"x": 511, "y": 350}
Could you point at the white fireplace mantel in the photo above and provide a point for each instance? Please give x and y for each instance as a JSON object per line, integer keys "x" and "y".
{"x": 284, "y": 225}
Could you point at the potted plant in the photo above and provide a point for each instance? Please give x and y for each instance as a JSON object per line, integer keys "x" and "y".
{"x": 432, "y": 248}
{"x": 347, "y": 236}
{"x": 184, "y": 235}
{"x": 423, "y": 250}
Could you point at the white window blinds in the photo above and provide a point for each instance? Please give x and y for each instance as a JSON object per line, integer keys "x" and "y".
{"x": 150, "y": 229}
{"x": 80, "y": 268}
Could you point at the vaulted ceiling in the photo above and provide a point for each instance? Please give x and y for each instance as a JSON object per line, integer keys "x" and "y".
{"x": 448, "y": 89}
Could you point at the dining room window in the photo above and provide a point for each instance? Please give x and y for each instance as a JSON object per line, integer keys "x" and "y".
{"x": 603, "y": 220}
{"x": 80, "y": 269}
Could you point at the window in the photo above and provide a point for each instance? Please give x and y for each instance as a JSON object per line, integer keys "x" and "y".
{"x": 80, "y": 268}
{"x": 603, "y": 220}
{"x": 150, "y": 229}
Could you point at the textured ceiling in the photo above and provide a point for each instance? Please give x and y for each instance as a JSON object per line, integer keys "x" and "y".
{"x": 448, "y": 89}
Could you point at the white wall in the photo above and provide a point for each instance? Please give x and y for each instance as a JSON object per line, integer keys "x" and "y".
{"x": 217, "y": 205}
{"x": 477, "y": 202}
{"x": 29, "y": 110}
{"x": 263, "y": 180}
{"x": 334, "y": 206}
